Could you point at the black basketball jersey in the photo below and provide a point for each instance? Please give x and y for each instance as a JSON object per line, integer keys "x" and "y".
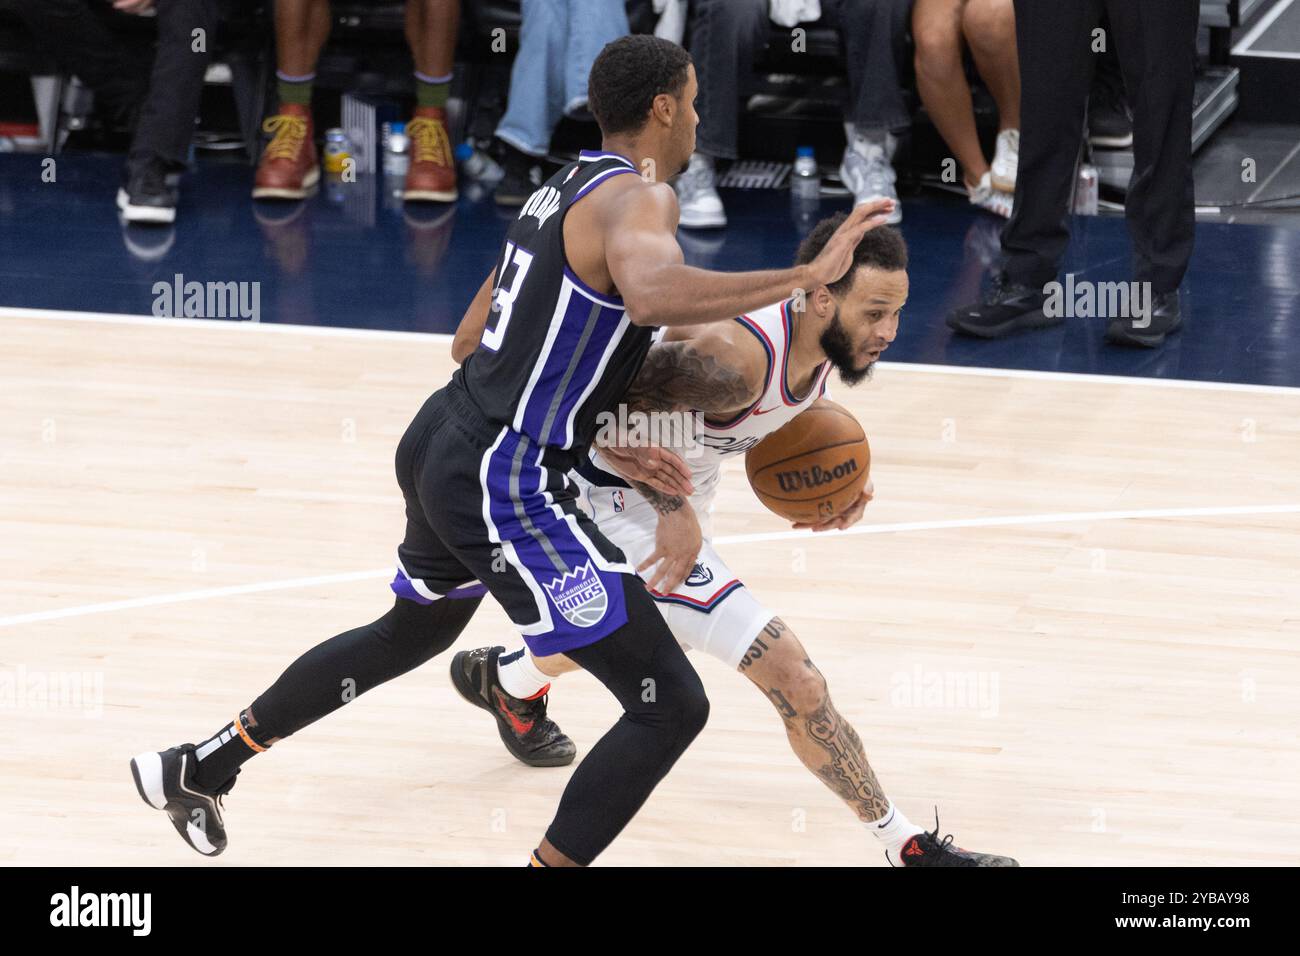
{"x": 555, "y": 352}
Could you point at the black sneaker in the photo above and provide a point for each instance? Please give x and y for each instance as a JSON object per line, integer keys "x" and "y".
{"x": 1005, "y": 308}
{"x": 522, "y": 176}
{"x": 147, "y": 193}
{"x": 166, "y": 782}
{"x": 926, "y": 849}
{"x": 1110, "y": 122}
{"x": 1166, "y": 317}
{"x": 523, "y": 725}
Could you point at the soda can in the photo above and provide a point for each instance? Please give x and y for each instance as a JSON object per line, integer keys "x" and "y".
{"x": 1087, "y": 191}
{"x": 337, "y": 150}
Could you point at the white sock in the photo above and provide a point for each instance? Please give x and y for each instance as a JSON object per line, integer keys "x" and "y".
{"x": 519, "y": 676}
{"x": 893, "y": 829}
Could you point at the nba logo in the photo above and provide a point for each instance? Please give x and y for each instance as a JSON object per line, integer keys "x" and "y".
{"x": 618, "y": 501}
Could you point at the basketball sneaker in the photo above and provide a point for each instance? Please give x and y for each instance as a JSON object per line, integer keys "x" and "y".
{"x": 986, "y": 197}
{"x": 1166, "y": 317}
{"x": 147, "y": 193}
{"x": 1006, "y": 161}
{"x": 698, "y": 201}
{"x": 868, "y": 172}
{"x": 527, "y": 732}
{"x": 926, "y": 849}
{"x": 166, "y": 782}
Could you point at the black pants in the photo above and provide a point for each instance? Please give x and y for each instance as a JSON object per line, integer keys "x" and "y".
{"x": 86, "y": 39}
{"x": 727, "y": 35}
{"x": 1156, "y": 43}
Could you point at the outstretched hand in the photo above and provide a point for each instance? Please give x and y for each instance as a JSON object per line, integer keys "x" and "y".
{"x": 836, "y": 256}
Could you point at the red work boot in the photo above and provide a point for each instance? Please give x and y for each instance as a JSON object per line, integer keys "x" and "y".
{"x": 431, "y": 176}
{"x": 289, "y": 168}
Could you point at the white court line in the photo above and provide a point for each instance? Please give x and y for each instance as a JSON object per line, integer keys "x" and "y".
{"x": 109, "y": 317}
{"x": 183, "y": 596}
{"x": 58, "y": 315}
{"x": 991, "y": 522}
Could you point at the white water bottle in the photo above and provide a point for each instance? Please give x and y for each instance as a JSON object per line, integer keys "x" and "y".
{"x": 805, "y": 183}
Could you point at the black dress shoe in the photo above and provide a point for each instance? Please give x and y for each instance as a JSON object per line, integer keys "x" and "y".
{"x": 1148, "y": 331}
{"x": 147, "y": 193}
{"x": 1007, "y": 307}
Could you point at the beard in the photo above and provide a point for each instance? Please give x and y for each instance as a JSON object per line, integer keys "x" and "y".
{"x": 837, "y": 345}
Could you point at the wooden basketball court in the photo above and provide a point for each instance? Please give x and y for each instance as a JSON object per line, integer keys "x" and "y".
{"x": 1071, "y": 617}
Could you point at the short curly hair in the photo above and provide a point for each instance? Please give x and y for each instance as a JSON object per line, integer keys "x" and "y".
{"x": 881, "y": 248}
{"x": 626, "y": 77}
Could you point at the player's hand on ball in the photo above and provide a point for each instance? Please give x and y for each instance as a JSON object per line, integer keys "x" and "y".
{"x": 846, "y": 518}
{"x": 663, "y": 470}
{"x": 678, "y": 540}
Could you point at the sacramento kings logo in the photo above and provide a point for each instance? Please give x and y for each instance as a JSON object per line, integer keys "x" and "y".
{"x": 580, "y": 596}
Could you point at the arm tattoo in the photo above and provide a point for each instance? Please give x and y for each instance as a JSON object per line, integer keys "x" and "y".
{"x": 678, "y": 375}
{"x": 662, "y": 503}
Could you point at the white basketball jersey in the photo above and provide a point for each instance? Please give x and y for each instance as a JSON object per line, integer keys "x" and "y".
{"x": 719, "y": 440}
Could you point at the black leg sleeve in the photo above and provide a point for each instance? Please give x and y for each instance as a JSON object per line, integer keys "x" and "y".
{"x": 338, "y": 670}
{"x": 664, "y": 708}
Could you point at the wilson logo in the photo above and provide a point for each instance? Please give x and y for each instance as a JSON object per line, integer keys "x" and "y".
{"x": 815, "y": 476}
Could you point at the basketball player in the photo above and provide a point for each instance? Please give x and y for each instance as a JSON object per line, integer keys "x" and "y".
{"x": 588, "y": 268}
{"x": 744, "y": 379}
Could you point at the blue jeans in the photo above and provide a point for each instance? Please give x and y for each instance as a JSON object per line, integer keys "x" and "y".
{"x": 558, "y": 42}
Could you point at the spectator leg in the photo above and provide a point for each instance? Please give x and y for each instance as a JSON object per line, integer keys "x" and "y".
{"x": 1156, "y": 42}
{"x": 1053, "y": 41}
{"x": 536, "y": 100}
{"x": 186, "y": 31}
{"x": 726, "y": 36}
{"x": 990, "y": 30}
{"x": 431, "y": 30}
{"x": 874, "y": 34}
{"x": 941, "y": 81}
{"x": 591, "y": 26}
{"x": 301, "y": 29}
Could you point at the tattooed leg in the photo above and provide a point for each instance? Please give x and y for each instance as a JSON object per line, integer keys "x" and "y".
{"x": 821, "y": 738}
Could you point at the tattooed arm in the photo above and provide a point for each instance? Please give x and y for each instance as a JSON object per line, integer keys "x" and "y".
{"x": 716, "y": 370}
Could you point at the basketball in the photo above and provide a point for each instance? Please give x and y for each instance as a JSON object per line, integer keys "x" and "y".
{"x": 814, "y": 466}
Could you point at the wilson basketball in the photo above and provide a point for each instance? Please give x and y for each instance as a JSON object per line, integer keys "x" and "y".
{"x": 814, "y": 466}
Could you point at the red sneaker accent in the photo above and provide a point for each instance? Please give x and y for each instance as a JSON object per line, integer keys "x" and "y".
{"x": 913, "y": 848}
{"x": 521, "y": 726}
{"x": 540, "y": 693}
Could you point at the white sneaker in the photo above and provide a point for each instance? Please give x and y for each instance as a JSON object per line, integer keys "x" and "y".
{"x": 1006, "y": 161}
{"x": 697, "y": 195}
{"x": 868, "y": 174}
{"x": 986, "y": 197}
